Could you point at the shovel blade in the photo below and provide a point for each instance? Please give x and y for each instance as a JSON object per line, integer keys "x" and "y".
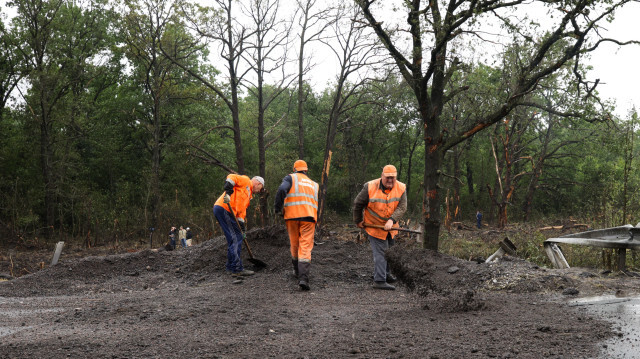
{"x": 258, "y": 263}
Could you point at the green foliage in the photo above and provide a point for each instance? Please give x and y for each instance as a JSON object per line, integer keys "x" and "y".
{"x": 104, "y": 98}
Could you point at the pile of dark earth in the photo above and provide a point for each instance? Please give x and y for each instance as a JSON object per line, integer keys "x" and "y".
{"x": 182, "y": 303}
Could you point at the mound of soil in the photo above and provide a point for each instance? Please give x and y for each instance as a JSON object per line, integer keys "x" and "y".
{"x": 181, "y": 303}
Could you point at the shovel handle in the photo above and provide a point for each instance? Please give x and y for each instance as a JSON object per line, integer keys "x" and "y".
{"x": 248, "y": 248}
{"x": 392, "y": 229}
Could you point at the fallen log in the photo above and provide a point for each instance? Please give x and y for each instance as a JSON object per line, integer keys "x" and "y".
{"x": 566, "y": 226}
{"x": 460, "y": 226}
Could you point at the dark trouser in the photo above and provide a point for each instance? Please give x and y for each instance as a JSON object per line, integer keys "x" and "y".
{"x": 184, "y": 242}
{"x": 234, "y": 238}
{"x": 380, "y": 265}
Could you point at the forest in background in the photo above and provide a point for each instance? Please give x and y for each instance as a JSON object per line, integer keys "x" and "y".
{"x": 115, "y": 119}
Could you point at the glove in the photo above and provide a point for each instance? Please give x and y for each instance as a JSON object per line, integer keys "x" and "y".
{"x": 227, "y": 198}
{"x": 242, "y": 226}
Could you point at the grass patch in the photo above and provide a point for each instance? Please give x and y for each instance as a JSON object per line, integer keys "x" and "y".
{"x": 471, "y": 245}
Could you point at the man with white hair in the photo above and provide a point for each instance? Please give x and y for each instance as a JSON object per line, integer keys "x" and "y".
{"x": 231, "y": 210}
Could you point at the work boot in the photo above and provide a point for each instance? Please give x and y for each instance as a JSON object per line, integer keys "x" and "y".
{"x": 304, "y": 285}
{"x": 383, "y": 285}
{"x": 391, "y": 278}
{"x": 244, "y": 273}
{"x": 303, "y": 275}
{"x": 236, "y": 276}
{"x": 294, "y": 262}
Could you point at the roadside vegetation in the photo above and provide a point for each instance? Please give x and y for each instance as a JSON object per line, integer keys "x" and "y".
{"x": 119, "y": 117}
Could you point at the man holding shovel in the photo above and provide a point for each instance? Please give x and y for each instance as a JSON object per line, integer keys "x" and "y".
{"x": 231, "y": 210}
{"x": 381, "y": 202}
{"x": 297, "y": 201}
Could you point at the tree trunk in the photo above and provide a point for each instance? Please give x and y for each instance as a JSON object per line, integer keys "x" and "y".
{"x": 46, "y": 157}
{"x": 469, "y": 176}
{"x": 433, "y": 158}
{"x": 233, "y": 82}
{"x": 431, "y": 196}
{"x": 262, "y": 160}
{"x": 301, "y": 95}
{"x": 457, "y": 173}
{"x": 237, "y": 140}
{"x": 328, "y": 150}
{"x": 156, "y": 154}
{"x": 410, "y": 161}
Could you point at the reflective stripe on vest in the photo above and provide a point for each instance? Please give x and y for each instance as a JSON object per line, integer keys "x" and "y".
{"x": 302, "y": 199}
{"x": 381, "y": 206}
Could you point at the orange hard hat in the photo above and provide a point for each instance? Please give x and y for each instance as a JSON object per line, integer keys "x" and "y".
{"x": 389, "y": 171}
{"x": 300, "y": 165}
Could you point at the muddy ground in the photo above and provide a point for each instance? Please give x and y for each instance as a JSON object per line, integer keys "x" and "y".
{"x": 182, "y": 304}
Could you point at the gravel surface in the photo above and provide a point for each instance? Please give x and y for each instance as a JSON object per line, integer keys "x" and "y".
{"x": 182, "y": 304}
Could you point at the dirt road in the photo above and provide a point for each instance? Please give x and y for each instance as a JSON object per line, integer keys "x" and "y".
{"x": 181, "y": 304}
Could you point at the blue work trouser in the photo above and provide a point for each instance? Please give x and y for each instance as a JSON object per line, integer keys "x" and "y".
{"x": 380, "y": 265}
{"x": 234, "y": 238}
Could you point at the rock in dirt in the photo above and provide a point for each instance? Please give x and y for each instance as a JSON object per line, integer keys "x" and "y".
{"x": 570, "y": 291}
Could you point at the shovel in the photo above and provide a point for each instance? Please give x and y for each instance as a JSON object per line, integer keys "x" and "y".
{"x": 418, "y": 237}
{"x": 256, "y": 262}
{"x": 393, "y": 229}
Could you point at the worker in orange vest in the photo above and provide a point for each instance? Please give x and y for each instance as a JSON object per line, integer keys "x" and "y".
{"x": 238, "y": 191}
{"x": 297, "y": 200}
{"x": 381, "y": 202}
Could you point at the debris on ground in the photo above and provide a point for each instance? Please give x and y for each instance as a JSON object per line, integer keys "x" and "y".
{"x": 182, "y": 303}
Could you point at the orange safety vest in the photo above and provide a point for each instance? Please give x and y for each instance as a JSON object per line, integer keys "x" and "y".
{"x": 381, "y": 206}
{"x": 242, "y": 194}
{"x": 302, "y": 199}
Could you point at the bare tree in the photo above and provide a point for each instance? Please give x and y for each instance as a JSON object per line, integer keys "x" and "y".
{"x": 428, "y": 63}
{"x": 312, "y": 23}
{"x": 358, "y": 58}
{"x": 267, "y": 57}
{"x": 218, "y": 26}
{"x": 507, "y": 146}
{"x": 10, "y": 71}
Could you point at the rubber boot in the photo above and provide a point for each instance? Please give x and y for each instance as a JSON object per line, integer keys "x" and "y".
{"x": 294, "y": 262}
{"x": 303, "y": 275}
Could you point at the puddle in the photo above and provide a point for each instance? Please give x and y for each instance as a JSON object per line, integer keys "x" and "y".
{"x": 4, "y": 331}
{"x": 11, "y": 319}
{"x": 21, "y": 313}
{"x": 624, "y": 313}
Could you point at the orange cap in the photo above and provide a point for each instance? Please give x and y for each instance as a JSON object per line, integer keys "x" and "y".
{"x": 389, "y": 171}
{"x": 300, "y": 165}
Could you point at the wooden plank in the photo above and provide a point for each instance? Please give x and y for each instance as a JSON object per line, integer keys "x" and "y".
{"x": 56, "y": 254}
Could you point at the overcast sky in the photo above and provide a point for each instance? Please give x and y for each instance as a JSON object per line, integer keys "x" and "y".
{"x": 615, "y": 66}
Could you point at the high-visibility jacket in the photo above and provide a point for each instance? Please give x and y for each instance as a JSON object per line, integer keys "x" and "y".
{"x": 242, "y": 194}
{"x": 381, "y": 206}
{"x": 302, "y": 199}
